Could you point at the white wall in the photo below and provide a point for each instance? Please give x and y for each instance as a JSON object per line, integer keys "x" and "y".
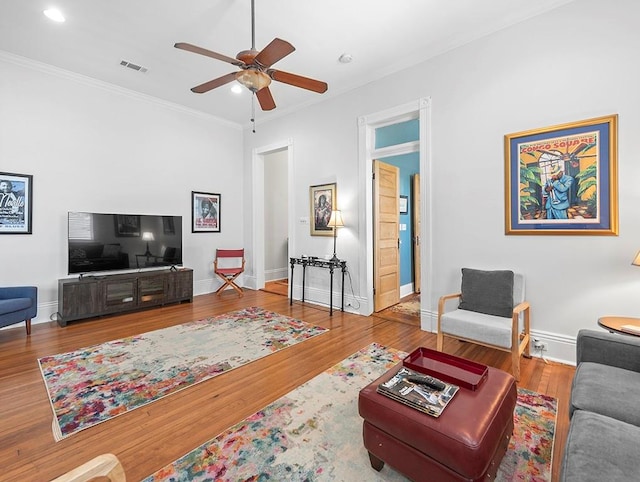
{"x": 574, "y": 63}
{"x": 93, "y": 147}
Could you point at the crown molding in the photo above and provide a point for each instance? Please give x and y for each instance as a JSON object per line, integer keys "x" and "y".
{"x": 90, "y": 81}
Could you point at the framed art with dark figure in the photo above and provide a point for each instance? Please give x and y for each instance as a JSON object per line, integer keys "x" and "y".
{"x": 127, "y": 226}
{"x": 16, "y": 194}
{"x": 563, "y": 179}
{"x": 322, "y": 201}
{"x": 205, "y": 212}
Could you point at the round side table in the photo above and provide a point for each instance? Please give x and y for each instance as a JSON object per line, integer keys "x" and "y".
{"x": 616, "y": 324}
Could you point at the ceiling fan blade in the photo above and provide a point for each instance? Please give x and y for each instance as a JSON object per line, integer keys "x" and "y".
{"x": 298, "y": 81}
{"x": 212, "y": 84}
{"x": 276, "y": 50}
{"x": 266, "y": 99}
{"x": 208, "y": 53}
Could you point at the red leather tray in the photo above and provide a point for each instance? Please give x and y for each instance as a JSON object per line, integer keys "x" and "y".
{"x": 448, "y": 368}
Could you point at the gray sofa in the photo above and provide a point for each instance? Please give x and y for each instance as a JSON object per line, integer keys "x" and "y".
{"x": 604, "y": 434}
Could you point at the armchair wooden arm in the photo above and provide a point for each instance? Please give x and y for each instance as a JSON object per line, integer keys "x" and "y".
{"x": 441, "y": 304}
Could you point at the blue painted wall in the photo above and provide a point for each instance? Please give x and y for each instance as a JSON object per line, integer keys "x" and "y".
{"x": 397, "y": 134}
{"x": 409, "y": 165}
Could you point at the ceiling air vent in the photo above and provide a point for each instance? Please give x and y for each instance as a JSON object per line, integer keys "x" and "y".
{"x": 132, "y": 66}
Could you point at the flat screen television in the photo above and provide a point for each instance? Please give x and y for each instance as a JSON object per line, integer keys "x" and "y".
{"x": 114, "y": 242}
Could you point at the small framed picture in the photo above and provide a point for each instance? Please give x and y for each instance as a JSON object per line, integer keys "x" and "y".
{"x": 322, "y": 201}
{"x": 404, "y": 204}
{"x": 205, "y": 212}
{"x": 16, "y": 193}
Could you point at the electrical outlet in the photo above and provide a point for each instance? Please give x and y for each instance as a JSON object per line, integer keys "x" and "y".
{"x": 539, "y": 345}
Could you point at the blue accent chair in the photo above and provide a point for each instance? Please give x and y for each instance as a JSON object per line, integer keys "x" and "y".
{"x": 18, "y": 303}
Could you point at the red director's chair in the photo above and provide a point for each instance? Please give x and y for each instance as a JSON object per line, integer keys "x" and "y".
{"x": 227, "y": 273}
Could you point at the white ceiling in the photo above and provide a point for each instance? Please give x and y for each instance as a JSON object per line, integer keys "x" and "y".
{"x": 383, "y": 36}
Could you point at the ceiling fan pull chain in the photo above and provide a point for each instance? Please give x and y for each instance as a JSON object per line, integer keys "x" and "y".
{"x": 253, "y": 110}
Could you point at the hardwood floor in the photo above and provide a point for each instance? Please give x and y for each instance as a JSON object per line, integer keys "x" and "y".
{"x": 150, "y": 437}
{"x": 279, "y": 287}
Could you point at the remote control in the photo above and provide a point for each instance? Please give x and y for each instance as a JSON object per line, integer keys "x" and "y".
{"x": 428, "y": 381}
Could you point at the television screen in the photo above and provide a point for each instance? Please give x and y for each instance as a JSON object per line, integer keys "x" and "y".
{"x": 111, "y": 242}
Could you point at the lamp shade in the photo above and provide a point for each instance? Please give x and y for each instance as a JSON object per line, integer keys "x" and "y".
{"x": 636, "y": 260}
{"x": 335, "y": 221}
{"x": 252, "y": 79}
{"x": 148, "y": 236}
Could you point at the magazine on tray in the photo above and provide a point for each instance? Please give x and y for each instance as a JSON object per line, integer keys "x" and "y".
{"x": 420, "y": 396}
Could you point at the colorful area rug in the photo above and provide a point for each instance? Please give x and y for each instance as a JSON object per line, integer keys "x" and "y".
{"x": 314, "y": 433}
{"x": 94, "y": 384}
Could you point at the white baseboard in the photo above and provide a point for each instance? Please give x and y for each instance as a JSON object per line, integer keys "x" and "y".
{"x": 249, "y": 282}
{"x": 275, "y": 274}
{"x": 559, "y": 348}
{"x": 406, "y": 290}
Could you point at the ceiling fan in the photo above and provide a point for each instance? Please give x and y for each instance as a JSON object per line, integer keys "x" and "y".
{"x": 256, "y": 73}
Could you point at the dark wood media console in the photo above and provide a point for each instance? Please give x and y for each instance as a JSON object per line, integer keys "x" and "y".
{"x": 90, "y": 296}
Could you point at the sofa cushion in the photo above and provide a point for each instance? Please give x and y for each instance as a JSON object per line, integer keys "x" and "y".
{"x": 606, "y": 390}
{"x": 600, "y": 449}
{"x": 489, "y": 292}
{"x": 14, "y": 304}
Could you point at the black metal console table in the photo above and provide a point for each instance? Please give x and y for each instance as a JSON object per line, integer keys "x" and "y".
{"x": 318, "y": 263}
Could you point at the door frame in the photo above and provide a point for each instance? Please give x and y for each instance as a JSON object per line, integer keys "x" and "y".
{"x": 420, "y": 109}
{"x": 257, "y": 242}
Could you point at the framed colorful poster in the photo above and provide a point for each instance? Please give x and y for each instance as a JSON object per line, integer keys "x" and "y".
{"x": 322, "y": 201}
{"x": 205, "y": 212}
{"x": 16, "y": 194}
{"x": 563, "y": 179}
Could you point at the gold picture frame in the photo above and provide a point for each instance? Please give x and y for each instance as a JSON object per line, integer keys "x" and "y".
{"x": 322, "y": 200}
{"x": 563, "y": 179}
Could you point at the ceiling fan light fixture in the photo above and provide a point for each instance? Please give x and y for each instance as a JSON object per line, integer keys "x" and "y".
{"x": 252, "y": 79}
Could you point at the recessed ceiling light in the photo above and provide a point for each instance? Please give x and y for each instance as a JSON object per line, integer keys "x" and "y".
{"x": 236, "y": 89}
{"x": 54, "y": 14}
{"x": 345, "y": 58}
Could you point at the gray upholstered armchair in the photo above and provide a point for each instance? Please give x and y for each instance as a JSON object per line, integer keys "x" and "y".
{"x": 492, "y": 311}
{"x": 18, "y": 303}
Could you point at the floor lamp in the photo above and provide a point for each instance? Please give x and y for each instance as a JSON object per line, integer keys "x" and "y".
{"x": 335, "y": 222}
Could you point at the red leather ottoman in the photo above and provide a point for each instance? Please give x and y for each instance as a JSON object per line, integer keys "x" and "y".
{"x": 467, "y": 442}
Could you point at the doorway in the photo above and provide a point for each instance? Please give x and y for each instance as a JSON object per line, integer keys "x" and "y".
{"x": 420, "y": 110}
{"x": 278, "y": 160}
{"x": 276, "y": 215}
